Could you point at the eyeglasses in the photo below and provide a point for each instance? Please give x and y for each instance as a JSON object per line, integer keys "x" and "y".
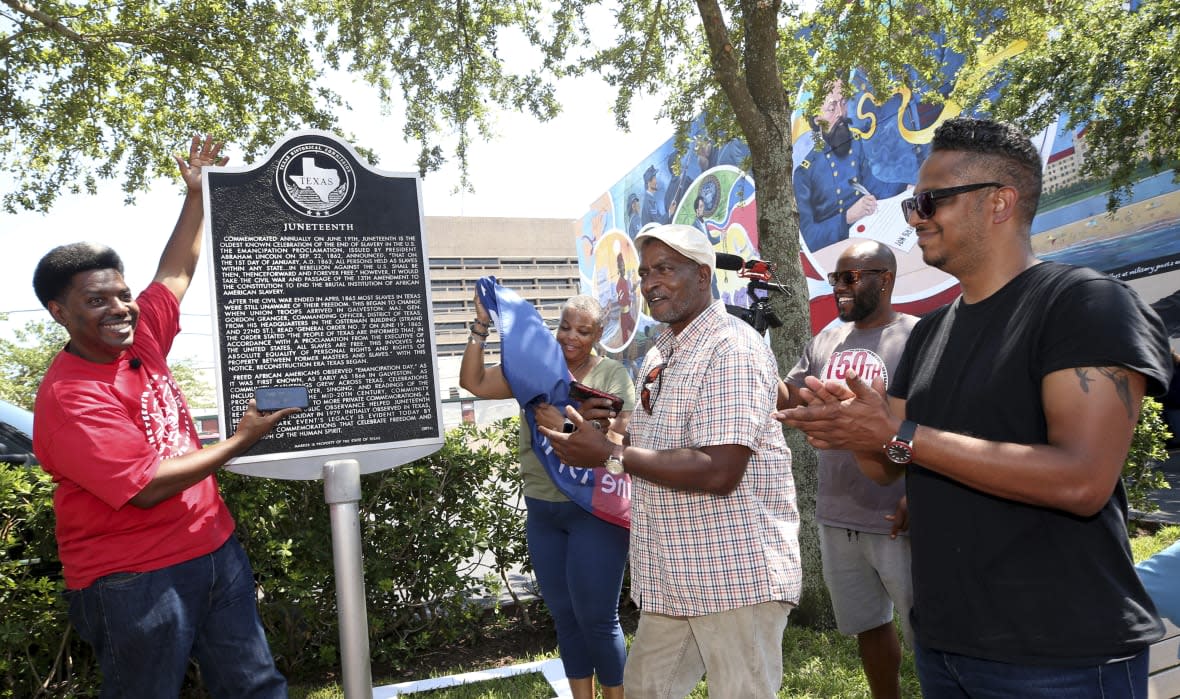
{"x": 923, "y": 203}
{"x": 849, "y": 277}
{"x": 646, "y": 397}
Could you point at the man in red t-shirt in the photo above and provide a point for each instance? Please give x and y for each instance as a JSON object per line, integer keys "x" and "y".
{"x": 153, "y": 572}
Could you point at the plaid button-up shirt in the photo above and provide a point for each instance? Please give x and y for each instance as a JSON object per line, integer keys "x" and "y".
{"x": 694, "y": 553}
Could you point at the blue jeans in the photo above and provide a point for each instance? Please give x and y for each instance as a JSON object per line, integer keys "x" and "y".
{"x": 579, "y": 561}
{"x": 145, "y": 626}
{"x": 947, "y": 675}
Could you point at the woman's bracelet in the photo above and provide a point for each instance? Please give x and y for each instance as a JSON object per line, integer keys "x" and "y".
{"x": 480, "y": 323}
{"x": 477, "y": 340}
{"x": 483, "y": 334}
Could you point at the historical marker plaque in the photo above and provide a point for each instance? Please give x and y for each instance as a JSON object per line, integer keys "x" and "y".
{"x": 320, "y": 280}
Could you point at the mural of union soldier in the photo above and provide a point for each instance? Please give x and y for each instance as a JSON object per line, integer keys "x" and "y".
{"x": 834, "y": 185}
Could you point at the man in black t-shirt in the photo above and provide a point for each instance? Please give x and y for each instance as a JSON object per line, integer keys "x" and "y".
{"x": 1011, "y": 414}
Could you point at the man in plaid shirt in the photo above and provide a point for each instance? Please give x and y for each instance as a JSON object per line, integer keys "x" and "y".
{"x": 714, "y": 527}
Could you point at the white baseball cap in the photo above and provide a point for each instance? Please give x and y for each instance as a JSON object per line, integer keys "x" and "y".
{"x": 686, "y": 240}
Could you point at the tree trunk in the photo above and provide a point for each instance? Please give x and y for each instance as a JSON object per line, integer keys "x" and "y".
{"x": 753, "y": 87}
{"x": 778, "y": 228}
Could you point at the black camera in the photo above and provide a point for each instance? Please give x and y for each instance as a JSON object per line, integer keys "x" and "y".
{"x": 760, "y": 274}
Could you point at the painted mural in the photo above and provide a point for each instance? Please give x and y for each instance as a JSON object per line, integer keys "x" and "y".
{"x": 854, "y": 161}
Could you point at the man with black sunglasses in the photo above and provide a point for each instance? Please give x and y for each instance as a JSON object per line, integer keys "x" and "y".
{"x": 714, "y": 527}
{"x": 866, "y": 565}
{"x": 1010, "y": 415}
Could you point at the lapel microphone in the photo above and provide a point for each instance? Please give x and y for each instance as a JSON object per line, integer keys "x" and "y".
{"x": 135, "y": 363}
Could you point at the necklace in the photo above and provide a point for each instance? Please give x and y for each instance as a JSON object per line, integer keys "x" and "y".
{"x": 580, "y": 367}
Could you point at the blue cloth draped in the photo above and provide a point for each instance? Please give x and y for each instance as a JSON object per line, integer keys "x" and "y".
{"x": 535, "y": 368}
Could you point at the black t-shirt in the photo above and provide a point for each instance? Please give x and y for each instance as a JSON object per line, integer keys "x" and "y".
{"x": 1003, "y": 580}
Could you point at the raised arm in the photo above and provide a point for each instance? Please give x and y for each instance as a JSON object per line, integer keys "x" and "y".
{"x": 482, "y": 381}
{"x": 179, "y": 259}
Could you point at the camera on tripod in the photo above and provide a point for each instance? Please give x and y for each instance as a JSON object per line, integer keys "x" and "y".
{"x": 760, "y": 274}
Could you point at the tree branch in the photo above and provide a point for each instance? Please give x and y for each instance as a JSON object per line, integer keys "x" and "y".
{"x": 52, "y": 23}
{"x": 727, "y": 70}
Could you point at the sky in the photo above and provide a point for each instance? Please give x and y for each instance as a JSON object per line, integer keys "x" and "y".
{"x": 531, "y": 170}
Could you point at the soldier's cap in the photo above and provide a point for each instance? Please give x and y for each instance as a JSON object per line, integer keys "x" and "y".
{"x": 686, "y": 240}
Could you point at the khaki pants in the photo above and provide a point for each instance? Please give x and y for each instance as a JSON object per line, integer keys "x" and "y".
{"x": 740, "y": 652}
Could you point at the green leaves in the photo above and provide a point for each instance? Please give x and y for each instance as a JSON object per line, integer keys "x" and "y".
{"x": 432, "y": 532}
{"x": 23, "y": 362}
{"x": 96, "y": 90}
{"x": 1141, "y": 474}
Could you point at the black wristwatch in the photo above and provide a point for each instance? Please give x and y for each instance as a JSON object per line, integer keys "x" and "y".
{"x": 900, "y": 449}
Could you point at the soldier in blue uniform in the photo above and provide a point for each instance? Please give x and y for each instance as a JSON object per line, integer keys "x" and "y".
{"x": 834, "y": 185}
{"x": 653, "y": 206}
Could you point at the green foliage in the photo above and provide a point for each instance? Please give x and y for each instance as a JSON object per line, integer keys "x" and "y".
{"x": 196, "y": 388}
{"x": 89, "y": 89}
{"x": 1113, "y": 69}
{"x": 39, "y": 656}
{"x": 424, "y": 528}
{"x": 433, "y": 532}
{"x": 1146, "y": 546}
{"x": 1141, "y": 474}
{"x": 23, "y": 362}
{"x": 447, "y": 60}
{"x": 92, "y": 91}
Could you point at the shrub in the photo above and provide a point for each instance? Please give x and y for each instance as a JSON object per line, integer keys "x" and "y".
{"x": 1141, "y": 474}
{"x": 425, "y": 527}
{"x": 39, "y": 656}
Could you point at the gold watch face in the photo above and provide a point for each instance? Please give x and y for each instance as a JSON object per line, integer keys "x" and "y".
{"x": 613, "y": 466}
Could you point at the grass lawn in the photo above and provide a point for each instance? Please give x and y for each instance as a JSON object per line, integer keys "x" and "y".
{"x": 816, "y": 664}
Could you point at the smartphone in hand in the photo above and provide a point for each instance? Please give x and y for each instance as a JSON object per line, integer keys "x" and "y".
{"x": 278, "y": 397}
{"x": 581, "y": 392}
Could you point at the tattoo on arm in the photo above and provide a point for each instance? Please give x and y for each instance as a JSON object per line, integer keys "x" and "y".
{"x": 1118, "y": 377}
{"x": 1122, "y": 384}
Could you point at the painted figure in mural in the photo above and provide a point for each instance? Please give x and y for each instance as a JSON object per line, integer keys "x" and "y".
{"x": 634, "y": 219}
{"x": 698, "y": 221}
{"x": 714, "y": 525}
{"x": 653, "y": 206}
{"x": 706, "y": 154}
{"x": 677, "y": 186}
{"x": 155, "y": 576}
{"x": 866, "y": 564}
{"x": 623, "y": 300}
{"x": 734, "y": 153}
{"x": 578, "y": 557}
{"x": 1010, "y": 416}
{"x": 834, "y": 185}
